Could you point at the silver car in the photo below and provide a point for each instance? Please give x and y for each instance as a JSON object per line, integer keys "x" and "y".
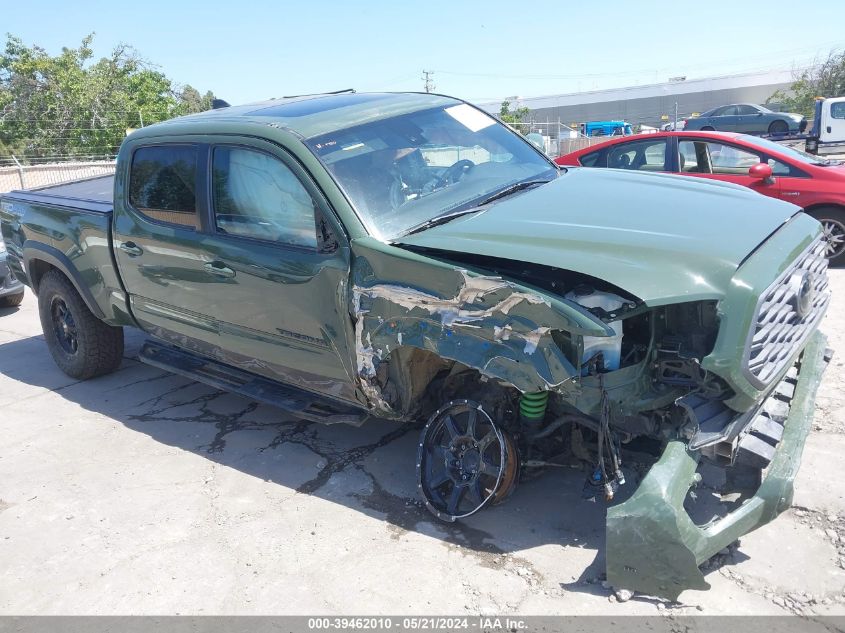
{"x": 747, "y": 118}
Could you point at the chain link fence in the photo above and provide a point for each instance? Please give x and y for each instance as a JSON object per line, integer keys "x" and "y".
{"x": 45, "y": 174}
{"x": 554, "y": 137}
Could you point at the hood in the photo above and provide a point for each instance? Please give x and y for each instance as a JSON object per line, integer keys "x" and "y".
{"x": 662, "y": 238}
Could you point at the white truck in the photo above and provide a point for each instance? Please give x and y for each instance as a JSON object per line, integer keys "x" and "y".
{"x": 827, "y": 136}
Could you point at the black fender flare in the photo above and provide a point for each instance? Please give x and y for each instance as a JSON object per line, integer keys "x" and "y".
{"x": 36, "y": 251}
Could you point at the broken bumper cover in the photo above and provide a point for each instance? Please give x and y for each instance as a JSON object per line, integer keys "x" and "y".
{"x": 654, "y": 547}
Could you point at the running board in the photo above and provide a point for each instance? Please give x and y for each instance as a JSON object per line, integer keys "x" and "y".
{"x": 299, "y": 402}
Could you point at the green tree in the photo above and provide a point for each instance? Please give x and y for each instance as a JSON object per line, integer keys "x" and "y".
{"x": 71, "y": 105}
{"x": 191, "y": 101}
{"x": 825, "y": 79}
{"x": 513, "y": 117}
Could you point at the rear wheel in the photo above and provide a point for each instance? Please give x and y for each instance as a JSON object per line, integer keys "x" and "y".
{"x": 81, "y": 345}
{"x": 778, "y": 127}
{"x": 708, "y": 128}
{"x": 833, "y": 222}
{"x": 11, "y": 301}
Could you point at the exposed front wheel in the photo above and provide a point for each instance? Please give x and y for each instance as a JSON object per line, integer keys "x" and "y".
{"x": 465, "y": 461}
{"x": 11, "y": 301}
{"x": 81, "y": 345}
{"x": 833, "y": 222}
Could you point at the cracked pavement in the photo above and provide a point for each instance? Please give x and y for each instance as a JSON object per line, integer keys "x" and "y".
{"x": 146, "y": 493}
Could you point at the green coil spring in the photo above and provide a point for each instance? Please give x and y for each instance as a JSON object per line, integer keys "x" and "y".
{"x": 532, "y": 406}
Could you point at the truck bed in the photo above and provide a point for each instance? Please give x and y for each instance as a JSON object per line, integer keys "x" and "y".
{"x": 91, "y": 194}
{"x": 67, "y": 227}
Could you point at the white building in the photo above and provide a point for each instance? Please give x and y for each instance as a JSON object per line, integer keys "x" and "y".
{"x": 648, "y": 103}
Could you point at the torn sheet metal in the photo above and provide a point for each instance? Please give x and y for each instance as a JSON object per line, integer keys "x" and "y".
{"x": 489, "y": 324}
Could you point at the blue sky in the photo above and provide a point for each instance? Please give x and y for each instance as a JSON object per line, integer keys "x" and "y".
{"x": 483, "y": 51}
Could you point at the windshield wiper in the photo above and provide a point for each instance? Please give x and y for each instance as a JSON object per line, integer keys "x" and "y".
{"x": 518, "y": 186}
{"x": 449, "y": 216}
{"x": 440, "y": 219}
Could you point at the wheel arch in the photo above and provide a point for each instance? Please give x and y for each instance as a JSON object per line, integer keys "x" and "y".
{"x": 817, "y": 206}
{"x": 39, "y": 259}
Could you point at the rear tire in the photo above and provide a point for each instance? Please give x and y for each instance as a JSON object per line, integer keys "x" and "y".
{"x": 708, "y": 128}
{"x": 833, "y": 221}
{"x": 778, "y": 127}
{"x": 11, "y": 301}
{"x": 81, "y": 345}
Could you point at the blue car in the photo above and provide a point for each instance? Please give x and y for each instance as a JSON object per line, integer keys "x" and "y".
{"x": 606, "y": 128}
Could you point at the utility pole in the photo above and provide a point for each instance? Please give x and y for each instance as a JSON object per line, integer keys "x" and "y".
{"x": 429, "y": 82}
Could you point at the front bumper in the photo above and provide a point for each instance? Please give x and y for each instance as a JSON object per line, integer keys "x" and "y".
{"x": 9, "y": 284}
{"x": 654, "y": 547}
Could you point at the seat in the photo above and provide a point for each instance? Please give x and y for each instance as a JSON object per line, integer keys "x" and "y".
{"x": 622, "y": 162}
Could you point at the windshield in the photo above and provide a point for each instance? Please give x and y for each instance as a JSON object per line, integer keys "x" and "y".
{"x": 791, "y": 152}
{"x": 403, "y": 171}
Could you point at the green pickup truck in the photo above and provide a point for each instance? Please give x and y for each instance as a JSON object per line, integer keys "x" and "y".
{"x": 407, "y": 256}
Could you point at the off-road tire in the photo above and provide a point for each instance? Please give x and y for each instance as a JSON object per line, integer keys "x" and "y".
{"x": 778, "y": 127}
{"x": 11, "y": 301}
{"x": 99, "y": 347}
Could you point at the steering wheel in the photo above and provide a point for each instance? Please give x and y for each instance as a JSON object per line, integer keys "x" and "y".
{"x": 454, "y": 172}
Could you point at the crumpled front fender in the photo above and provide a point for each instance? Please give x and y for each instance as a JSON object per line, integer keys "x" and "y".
{"x": 654, "y": 547}
{"x": 501, "y": 328}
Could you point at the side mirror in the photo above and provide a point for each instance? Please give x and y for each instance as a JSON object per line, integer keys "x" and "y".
{"x": 762, "y": 171}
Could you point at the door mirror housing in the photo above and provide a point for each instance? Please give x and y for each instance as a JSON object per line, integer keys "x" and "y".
{"x": 762, "y": 171}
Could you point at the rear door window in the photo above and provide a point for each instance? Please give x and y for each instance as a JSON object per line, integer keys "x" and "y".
{"x": 640, "y": 155}
{"x": 163, "y": 184}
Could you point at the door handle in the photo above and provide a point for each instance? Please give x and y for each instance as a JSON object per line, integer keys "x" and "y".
{"x": 131, "y": 249}
{"x": 219, "y": 269}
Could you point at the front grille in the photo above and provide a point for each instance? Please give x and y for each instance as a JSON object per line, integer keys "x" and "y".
{"x": 787, "y": 313}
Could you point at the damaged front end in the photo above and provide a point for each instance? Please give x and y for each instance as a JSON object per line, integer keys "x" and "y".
{"x": 528, "y": 366}
{"x": 654, "y": 546}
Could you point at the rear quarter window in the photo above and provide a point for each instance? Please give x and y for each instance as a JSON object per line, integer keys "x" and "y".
{"x": 162, "y": 184}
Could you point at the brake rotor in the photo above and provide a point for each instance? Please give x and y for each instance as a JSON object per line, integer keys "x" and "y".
{"x": 464, "y": 461}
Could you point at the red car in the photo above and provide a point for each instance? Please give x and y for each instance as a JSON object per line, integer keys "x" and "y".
{"x": 812, "y": 182}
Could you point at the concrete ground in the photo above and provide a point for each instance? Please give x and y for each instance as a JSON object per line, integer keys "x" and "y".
{"x": 146, "y": 493}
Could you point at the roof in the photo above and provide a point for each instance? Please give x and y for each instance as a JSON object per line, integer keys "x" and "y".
{"x": 313, "y": 115}
{"x": 743, "y": 80}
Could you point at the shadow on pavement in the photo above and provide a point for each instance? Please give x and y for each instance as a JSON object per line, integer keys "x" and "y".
{"x": 370, "y": 469}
